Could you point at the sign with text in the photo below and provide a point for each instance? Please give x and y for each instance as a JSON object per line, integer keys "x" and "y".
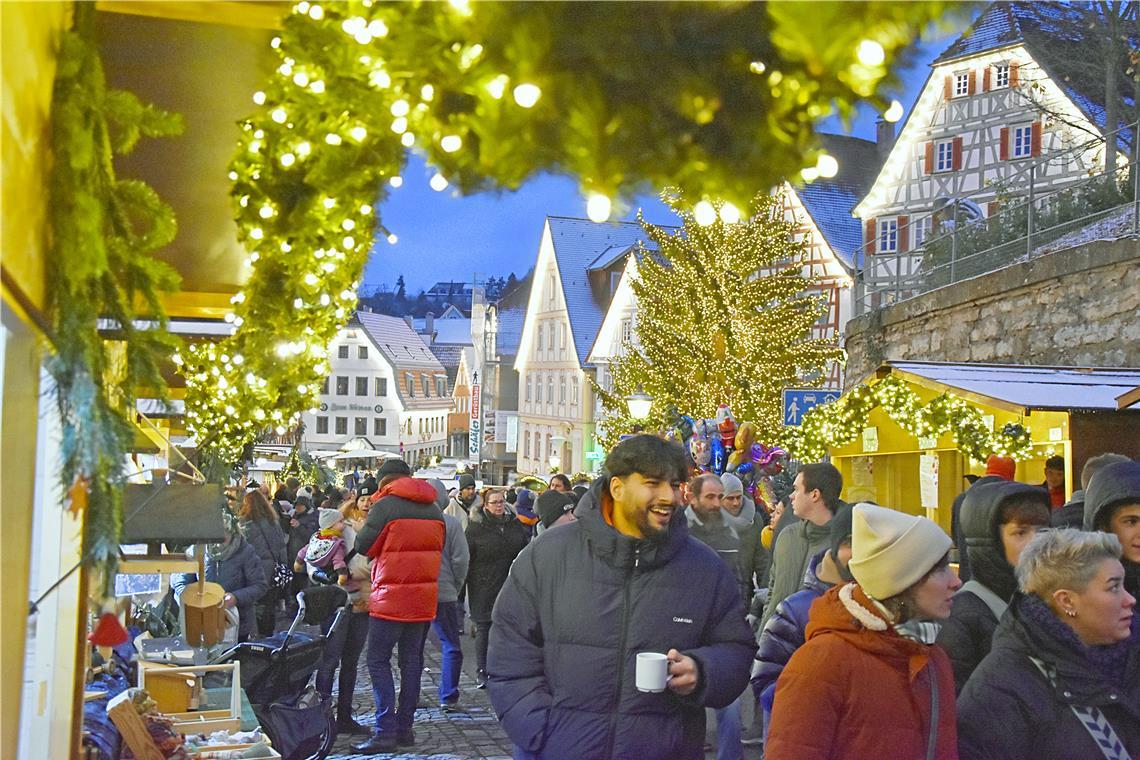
{"x": 474, "y": 446}
{"x": 797, "y": 402}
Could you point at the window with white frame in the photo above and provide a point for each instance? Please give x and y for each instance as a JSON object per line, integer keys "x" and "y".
{"x": 362, "y": 352}
{"x": 538, "y": 389}
{"x": 529, "y": 387}
{"x": 537, "y": 445}
{"x": 561, "y": 335}
{"x": 360, "y": 426}
{"x": 551, "y": 289}
{"x": 1021, "y": 141}
{"x": 410, "y": 383}
{"x": 944, "y": 156}
{"x": 922, "y": 228}
{"x": 322, "y": 425}
{"x": 342, "y": 385}
{"x": 550, "y": 389}
{"x": 441, "y": 386}
{"x": 961, "y": 84}
{"x": 380, "y": 426}
{"x": 626, "y": 330}
{"x": 540, "y": 331}
{"x": 381, "y": 386}
{"x": 342, "y": 425}
{"x": 325, "y": 387}
{"x": 342, "y": 352}
{"x": 574, "y": 390}
{"x": 362, "y": 386}
{"x": 426, "y": 385}
{"x": 888, "y": 235}
{"x": 526, "y": 444}
{"x": 1001, "y": 75}
{"x": 562, "y": 389}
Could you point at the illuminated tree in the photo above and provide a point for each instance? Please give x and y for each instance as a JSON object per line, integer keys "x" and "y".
{"x": 724, "y": 316}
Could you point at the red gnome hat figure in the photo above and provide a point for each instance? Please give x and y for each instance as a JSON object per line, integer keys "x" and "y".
{"x": 109, "y": 631}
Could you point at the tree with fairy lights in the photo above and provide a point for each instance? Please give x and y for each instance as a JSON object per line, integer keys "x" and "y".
{"x": 724, "y": 316}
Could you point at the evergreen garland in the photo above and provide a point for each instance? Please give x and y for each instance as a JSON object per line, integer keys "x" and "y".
{"x": 100, "y": 270}
{"x": 715, "y": 98}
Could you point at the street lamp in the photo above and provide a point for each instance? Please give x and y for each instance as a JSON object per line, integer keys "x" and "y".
{"x": 639, "y": 404}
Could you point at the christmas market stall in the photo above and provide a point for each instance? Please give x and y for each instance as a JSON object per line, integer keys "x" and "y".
{"x": 909, "y": 435}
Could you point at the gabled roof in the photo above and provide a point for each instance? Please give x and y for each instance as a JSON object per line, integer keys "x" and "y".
{"x": 607, "y": 257}
{"x": 448, "y": 355}
{"x": 399, "y": 343}
{"x": 830, "y": 201}
{"x": 1058, "y": 38}
{"x": 577, "y": 244}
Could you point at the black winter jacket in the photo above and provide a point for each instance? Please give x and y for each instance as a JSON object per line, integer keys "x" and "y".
{"x": 1009, "y": 711}
{"x": 956, "y": 524}
{"x": 493, "y": 544}
{"x": 967, "y": 634}
{"x": 581, "y": 601}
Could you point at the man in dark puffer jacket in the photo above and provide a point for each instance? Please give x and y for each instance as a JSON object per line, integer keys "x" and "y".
{"x": 582, "y": 601}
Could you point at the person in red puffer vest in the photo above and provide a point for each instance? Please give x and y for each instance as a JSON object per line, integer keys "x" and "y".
{"x": 403, "y": 537}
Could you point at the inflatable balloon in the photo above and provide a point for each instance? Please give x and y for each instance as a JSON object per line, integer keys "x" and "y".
{"x": 726, "y": 424}
{"x": 719, "y": 457}
{"x": 745, "y": 435}
{"x": 699, "y": 449}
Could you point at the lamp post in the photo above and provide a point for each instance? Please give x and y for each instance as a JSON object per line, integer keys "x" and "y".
{"x": 639, "y": 404}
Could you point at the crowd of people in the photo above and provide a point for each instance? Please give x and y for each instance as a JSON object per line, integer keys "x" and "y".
{"x": 859, "y": 635}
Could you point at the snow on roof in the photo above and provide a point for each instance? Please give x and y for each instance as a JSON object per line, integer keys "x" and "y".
{"x": 1031, "y": 387}
{"x": 401, "y": 346}
{"x": 454, "y": 331}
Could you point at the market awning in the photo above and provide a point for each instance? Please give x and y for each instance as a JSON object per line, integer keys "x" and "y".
{"x": 1022, "y": 388}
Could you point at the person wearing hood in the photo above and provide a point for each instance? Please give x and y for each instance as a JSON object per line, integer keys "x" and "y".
{"x": 584, "y": 599}
{"x": 1112, "y": 505}
{"x": 1072, "y": 514}
{"x": 235, "y": 566}
{"x": 465, "y": 503}
{"x": 997, "y": 521}
{"x": 404, "y": 535}
{"x": 814, "y": 500}
{"x": 494, "y": 541}
{"x": 1062, "y": 680}
{"x": 864, "y": 685}
{"x": 784, "y": 633}
{"x": 998, "y": 470}
{"x": 448, "y": 621}
{"x": 524, "y": 510}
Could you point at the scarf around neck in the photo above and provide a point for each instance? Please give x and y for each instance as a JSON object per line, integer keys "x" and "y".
{"x": 1108, "y": 660}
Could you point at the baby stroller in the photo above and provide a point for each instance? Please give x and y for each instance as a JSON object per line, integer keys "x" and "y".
{"x": 276, "y": 671}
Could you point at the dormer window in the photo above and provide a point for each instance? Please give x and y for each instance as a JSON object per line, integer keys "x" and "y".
{"x": 961, "y": 84}
{"x": 1001, "y": 75}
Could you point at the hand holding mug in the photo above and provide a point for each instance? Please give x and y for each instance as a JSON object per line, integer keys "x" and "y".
{"x": 683, "y": 673}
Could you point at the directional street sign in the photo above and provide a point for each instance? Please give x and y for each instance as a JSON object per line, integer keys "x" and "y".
{"x": 797, "y": 401}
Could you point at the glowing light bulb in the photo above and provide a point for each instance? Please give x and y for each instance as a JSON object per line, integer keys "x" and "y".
{"x": 257, "y": 234}
{"x": 392, "y": 239}
{"x": 378, "y": 28}
{"x": 704, "y": 213}
{"x": 526, "y": 95}
{"x": 427, "y": 92}
{"x": 329, "y": 203}
{"x": 333, "y": 139}
{"x": 265, "y": 212}
{"x": 498, "y": 86}
{"x": 303, "y": 149}
{"x": 894, "y": 112}
{"x": 317, "y": 86}
{"x": 347, "y": 224}
{"x": 298, "y": 303}
{"x": 358, "y": 133}
{"x": 396, "y": 181}
{"x": 827, "y": 166}
{"x": 809, "y": 173}
{"x": 400, "y": 125}
{"x": 400, "y": 108}
{"x": 259, "y": 98}
{"x": 325, "y": 299}
{"x": 301, "y": 79}
{"x": 316, "y": 13}
{"x": 407, "y": 139}
{"x": 366, "y": 209}
{"x": 380, "y": 79}
{"x": 275, "y": 43}
{"x": 288, "y": 159}
{"x": 870, "y": 53}
{"x": 438, "y": 182}
{"x": 311, "y": 279}
{"x": 278, "y": 115}
{"x": 757, "y": 67}
{"x": 451, "y": 143}
{"x": 598, "y": 207}
{"x": 729, "y": 214}
{"x": 349, "y": 243}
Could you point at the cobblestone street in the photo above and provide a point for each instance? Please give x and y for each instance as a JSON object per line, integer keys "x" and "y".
{"x": 471, "y": 732}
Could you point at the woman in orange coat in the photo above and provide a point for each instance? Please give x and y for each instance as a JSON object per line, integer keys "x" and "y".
{"x": 868, "y": 682}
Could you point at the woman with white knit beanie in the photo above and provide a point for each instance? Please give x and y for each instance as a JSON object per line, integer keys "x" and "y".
{"x": 866, "y": 684}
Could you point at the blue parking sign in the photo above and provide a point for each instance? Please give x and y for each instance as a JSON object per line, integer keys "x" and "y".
{"x": 797, "y": 402}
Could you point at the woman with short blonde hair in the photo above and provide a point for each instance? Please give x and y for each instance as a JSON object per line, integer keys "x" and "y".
{"x": 1063, "y": 677}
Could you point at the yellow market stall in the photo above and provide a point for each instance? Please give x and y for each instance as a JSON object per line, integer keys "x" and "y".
{"x": 907, "y": 436}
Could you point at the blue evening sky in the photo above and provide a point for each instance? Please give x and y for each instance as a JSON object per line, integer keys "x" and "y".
{"x": 442, "y": 236}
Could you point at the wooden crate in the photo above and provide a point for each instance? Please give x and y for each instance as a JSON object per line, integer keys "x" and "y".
{"x": 200, "y": 721}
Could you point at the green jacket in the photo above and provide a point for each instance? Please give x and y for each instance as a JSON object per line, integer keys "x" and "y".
{"x": 795, "y": 546}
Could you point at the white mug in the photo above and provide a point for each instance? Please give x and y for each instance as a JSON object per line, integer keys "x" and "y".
{"x": 652, "y": 672}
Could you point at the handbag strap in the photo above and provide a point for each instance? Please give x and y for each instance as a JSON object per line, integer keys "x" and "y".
{"x": 932, "y": 738}
{"x": 996, "y": 604}
{"x": 1091, "y": 718}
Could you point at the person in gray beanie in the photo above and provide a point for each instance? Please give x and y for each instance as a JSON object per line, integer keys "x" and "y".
{"x": 741, "y": 515}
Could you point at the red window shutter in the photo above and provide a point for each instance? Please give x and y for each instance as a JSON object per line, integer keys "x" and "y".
{"x": 904, "y": 234}
{"x": 948, "y": 87}
{"x": 872, "y": 236}
{"x": 957, "y": 153}
{"x": 986, "y": 74}
{"x": 1035, "y": 138}
{"x": 992, "y": 208}
{"x": 1003, "y": 149}
{"x": 1013, "y": 78}
{"x": 929, "y": 158}
{"x": 972, "y": 82}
